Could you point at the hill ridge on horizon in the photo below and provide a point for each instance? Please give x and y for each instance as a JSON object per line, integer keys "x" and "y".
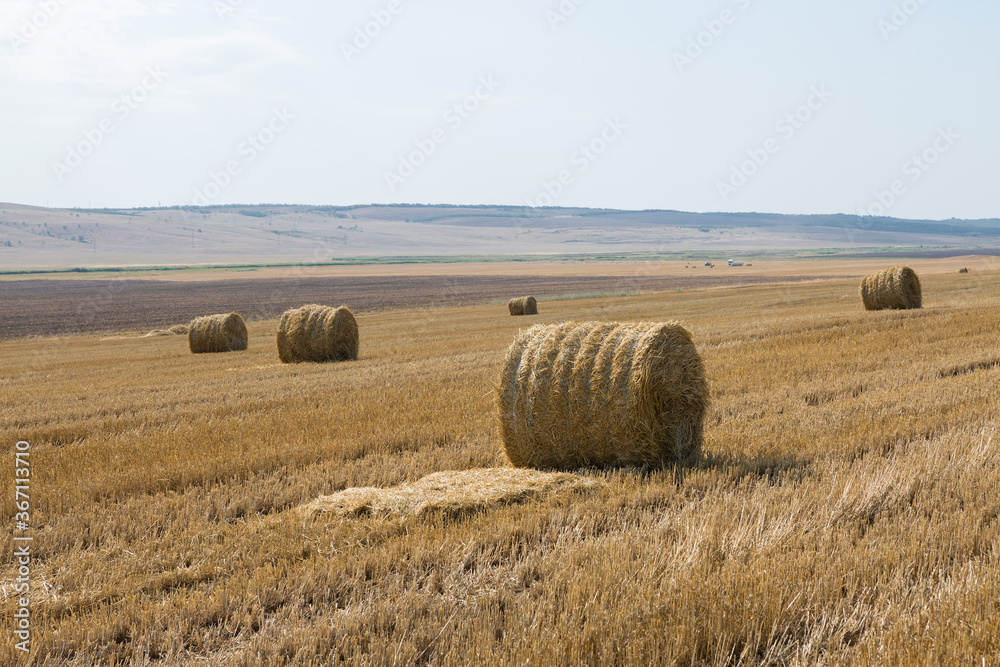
{"x": 37, "y": 237}
{"x": 502, "y": 207}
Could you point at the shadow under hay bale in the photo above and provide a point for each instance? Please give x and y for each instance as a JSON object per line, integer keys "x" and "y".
{"x": 598, "y": 394}
{"x": 449, "y": 492}
{"x": 523, "y": 305}
{"x": 897, "y": 288}
{"x": 317, "y": 333}
{"x": 217, "y": 333}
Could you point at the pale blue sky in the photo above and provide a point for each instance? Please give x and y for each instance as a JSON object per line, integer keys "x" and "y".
{"x": 202, "y": 76}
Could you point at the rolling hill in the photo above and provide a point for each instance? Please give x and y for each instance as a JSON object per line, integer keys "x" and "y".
{"x": 34, "y": 237}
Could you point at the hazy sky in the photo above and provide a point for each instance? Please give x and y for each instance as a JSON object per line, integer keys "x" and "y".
{"x": 731, "y": 105}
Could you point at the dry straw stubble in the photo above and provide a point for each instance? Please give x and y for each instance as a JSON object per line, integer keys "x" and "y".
{"x": 317, "y": 333}
{"x": 523, "y": 305}
{"x": 596, "y": 394}
{"x": 897, "y": 288}
{"x": 225, "y": 332}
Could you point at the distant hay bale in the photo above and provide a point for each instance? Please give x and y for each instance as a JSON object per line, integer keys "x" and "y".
{"x": 449, "y": 492}
{"x": 963, "y": 270}
{"x": 178, "y": 329}
{"x": 523, "y": 305}
{"x": 897, "y": 288}
{"x": 597, "y": 394}
{"x": 317, "y": 333}
{"x": 217, "y": 333}
{"x": 158, "y": 332}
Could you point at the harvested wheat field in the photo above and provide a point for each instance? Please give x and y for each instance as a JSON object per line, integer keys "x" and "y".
{"x": 230, "y": 510}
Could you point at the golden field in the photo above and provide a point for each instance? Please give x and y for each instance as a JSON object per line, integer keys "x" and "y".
{"x": 846, "y": 509}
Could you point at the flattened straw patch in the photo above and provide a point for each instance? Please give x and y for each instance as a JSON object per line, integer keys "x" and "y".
{"x": 243, "y": 369}
{"x": 897, "y": 288}
{"x": 176, "y": 330}
{"x": 450, "y": 492}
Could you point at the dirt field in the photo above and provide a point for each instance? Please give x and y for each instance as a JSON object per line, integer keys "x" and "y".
{"x": 844, "y": 510}
{"x": 74, "y": 304}
{"x": 71, "y": 307}
{"x": 927, "y": 262}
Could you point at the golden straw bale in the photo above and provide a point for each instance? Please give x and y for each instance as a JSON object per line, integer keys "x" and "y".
{"x": 523, "y": 305}
{"x": 217, "y": 333}
{"x": 897, "y": 288}
{"x": 597, "y": 394}
{"x": 450, "y": 492}
{"x": 317, "y": 333}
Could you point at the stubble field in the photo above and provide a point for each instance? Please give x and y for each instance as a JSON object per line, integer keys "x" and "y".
{"x": 845, "y": 510}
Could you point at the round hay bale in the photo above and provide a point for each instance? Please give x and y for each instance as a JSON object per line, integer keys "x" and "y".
{"x": 897, "y": 288}
{"x": 178, "y": 329}
{"x": 523, "y": 305}
{"x": 217, "y": 333}
{"x": 596, "y": 394}
{"x": 963, "y": 270}
{"x": 317, "y": 333}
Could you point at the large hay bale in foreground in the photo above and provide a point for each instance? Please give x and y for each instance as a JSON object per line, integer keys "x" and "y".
{"x": 317, "y": 333}
{"x": 449, "y": 492}
{"x": 523, "y": 305}
{"x": 217, "y": 333}
{"x": 897, "y": 288}
{"x": 596, "y": 394}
